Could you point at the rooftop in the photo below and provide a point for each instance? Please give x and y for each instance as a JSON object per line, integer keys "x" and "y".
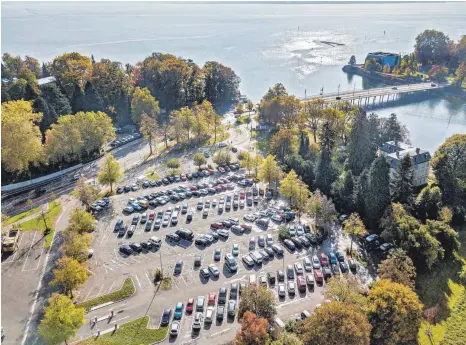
{"x": 385, "y": 54}
{"x": 46, "y": 80}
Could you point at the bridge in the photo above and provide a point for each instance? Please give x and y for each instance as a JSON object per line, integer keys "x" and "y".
{"x": 382, "y": 94}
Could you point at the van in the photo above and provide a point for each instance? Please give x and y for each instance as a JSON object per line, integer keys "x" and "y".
{"x": 256, "y": 256}
{"x": 263, "y": 222}
{"x": 279, "y": 323}
{"x": 252, "y": 279}
{"x": 185, "y": 234}
{"x": 305, "y": 314}
{"x": 143, "y": 203}
{"x": 230, "y": 263}
{"x": 175, "y": 218}
{"x": 156, "y": 241}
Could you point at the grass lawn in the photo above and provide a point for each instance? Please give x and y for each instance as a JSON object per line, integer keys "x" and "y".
{"x": 38, "y": 223}
{"x": 263, "y": 143}
{"x": 242, "y": 119}
{"x": 134, "y": 332}
{"x": 166, "y": 283}
{"x": 126, "y": 291}
{"x": 20, "y": 216}
{"x": 442, "y": 287}
{"x": 151, "y": 174}
{"x": 220, "y": 138}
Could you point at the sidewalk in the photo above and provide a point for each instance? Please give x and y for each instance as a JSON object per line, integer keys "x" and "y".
{"x": 43, "y": 207}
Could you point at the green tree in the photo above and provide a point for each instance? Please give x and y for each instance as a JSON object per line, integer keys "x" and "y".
{"x": 345, "y": 195}
{"x": 92, "y": 100}
{"x": 111, "y": 172}
{"x": 55, "y": 99}
{"x": 289, "y": 185}
{"x": 438, "y": 73}
{"x": 143, "y": 103}
{"x": 361, "y": 193}
{"x": 21, "y": 137}
{"x": 401, "y": 184}
{"x": 354, "y": 227}
{"x": 290, "y": 107}
{"x": 287, "y": 338}
{"x": 392, "y": 129}
{"x": 360, "y": 149}
{"x": 221, "y": 83}
{"x": 394, "y": 312}
{"x": 432, "y": 47}
{"x": 258, "y": 300}
{"x": 371, "y": 65}
{"x": 428, "y": 202}
{"x": 77, "y": 99}
{"x": 61, "y": 320}
{"x": 449, "y": 165}
{"x": 270, "y": 172}
{"x": 173, "y": 164}
{"x": 199, "y": 160}
{"x": 69, "y": 274}
{"x": 222, "y": 157}
{"x": 326, "y": 174}
{"x": 49, "y": 116}
{"x": 45, "y": 71}
{"x": 378, "y": 196}
{"x": 314, "y": 111}
{"x": 399, "y": 268}
{"x": 254, "y": 330}
{"x": 250, "y": 105}
{"x": 81, "y": 222}
{"x": 284, "y": 143}
{"x": 322, "y": 209}
{"x": 352, "y": 60}
{"x": 336, "y": 323}
{"x": 445, "y": 234}
{"x": 148, "y": 129}
{"x": 86, "y": 193}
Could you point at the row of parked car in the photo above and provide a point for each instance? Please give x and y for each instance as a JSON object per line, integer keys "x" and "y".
{"x": 124, "y": 140}
{"x": 100, "y": 205}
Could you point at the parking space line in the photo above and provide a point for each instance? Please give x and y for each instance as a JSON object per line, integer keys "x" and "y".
{"x": 87, "y": 296}
{"x": 116, "y": 263}
{"x": 29, "y": 250}
{"x": 150, "y": 282}
{"x": 192, "y": 276}
{"x": 184, "y": 281}
{"x": 111, "y": 287}
{"x": 19, "y": 247}
{"x": 137, "y": 278}
{"x": 174, "y": 283}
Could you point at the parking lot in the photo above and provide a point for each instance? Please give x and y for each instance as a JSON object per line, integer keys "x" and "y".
{"x": 110, "y": 266}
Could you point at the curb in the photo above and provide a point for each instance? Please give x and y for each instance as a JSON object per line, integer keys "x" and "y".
{"x": 100, "y": 306}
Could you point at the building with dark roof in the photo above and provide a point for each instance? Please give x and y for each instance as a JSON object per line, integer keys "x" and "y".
{"x": 395, "y": 151}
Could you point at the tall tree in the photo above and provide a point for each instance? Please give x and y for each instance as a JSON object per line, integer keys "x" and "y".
{"x": 449, "y": 164}
{"x": 432, "y": 47}
{"x": 55, "y": 99}
{"x": 221, "y": 83}
{"x": 445, "y": 234}
{"x": 289, "y": 185}
{"x": 336, "y": 323}
{"x": 392, "y": 129}
{"x": 360, "y": 150}
{"x": 199, "y": 160}
{"x": 270, "y": 172}
{"x": 284, "y": 143}
{"x": 111, "y": 172}
{"x": 45, "y": 71}
{"x": 354, "y": 227}
{"x": 148, "y": 129}
{"x": 143, "y": 103}
{"x": 70, "y": 69}
{"x": 92, "y": 99}
{"x": 21, "y": 137}
{"x": 345, "y": 193}
{"x": 362, "y": 193}
{"x": 69, "y": 274}
{"x": 122, "y": 109}
{"x": 48, "y": 113}
{"x": 322, "y": 209}
{"x": 77, "y": 100}
{"x": 394, "y": 312}
{"x": 428, "y": 202}
{"x": 33, "y": 65}
{"x": 401, "y": 185}
{"x": 61, "y": 320}
{"x": 378, "y": 196}
{"x": 258, "y": 300}
{"x": 254, "y": 330}
{"x": 398, "y": 268}
{"x": 346, "y": 289}
{"x": 81, "y": 221}
{"x": 76, "y": 245}
{"x": 326, "y": 174}
{"x": 86, "y": 193}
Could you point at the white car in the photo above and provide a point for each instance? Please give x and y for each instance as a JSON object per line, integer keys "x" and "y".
{"x": 315, "y": 262}
{"x": 197, "y": 321}
{"x": 298, "y": 268}
{"x": 291, "y": 287}
{"x": 281, "y": 290}
{"x": 209, "y": 315}
{"x": 214, "y": 270}
{"x": 214, "y": 202}
{"x": 166, "y": 220}
{"x": 269, "y": 240}
{"x": 175, "y": 328}
{"x": 241, "y": 203}
{"x": 249, "y": 217}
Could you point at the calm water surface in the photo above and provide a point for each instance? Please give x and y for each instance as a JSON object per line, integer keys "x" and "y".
{"x": 264, "y": 44}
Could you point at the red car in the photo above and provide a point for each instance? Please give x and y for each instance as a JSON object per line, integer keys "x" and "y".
{"x": 319, "y": 276}
{"x": 219, "y": 188}
{"x": 190, "y": 305}
{"x": 301, "y": 283}
{"x": 216, "y": 225}
{"x": 183, "y": 177}
{"x": 246, "y": 227}
{"x": 152, "y": 216}
{"x": 211, "y": 300}
{"x": 242, "y": 195}
{"x": 323, "y": 259}
{"x": 192, "y": 188}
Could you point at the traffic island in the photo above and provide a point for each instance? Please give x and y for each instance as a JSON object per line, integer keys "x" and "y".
{"x": 127, "y": 290}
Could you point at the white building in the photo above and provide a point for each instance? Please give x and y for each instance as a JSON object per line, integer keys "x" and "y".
{"x": 420, "y": 159}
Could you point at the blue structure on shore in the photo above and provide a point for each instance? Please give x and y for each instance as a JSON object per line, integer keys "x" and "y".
{"x": 383, "y": 59}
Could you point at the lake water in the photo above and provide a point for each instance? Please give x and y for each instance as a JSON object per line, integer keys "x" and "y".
{"x": 263, "y": 43}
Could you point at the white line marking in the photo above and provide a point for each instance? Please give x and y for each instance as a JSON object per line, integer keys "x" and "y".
{"x": 19, "y": 247}
{"x": 221, "y": 332}
{"x": 101, "y": 288}
{"x": 111, "y": 286}
{"x": 148, "y": 277}
{"x": 88, "y": 293}
{"x": 184, "y": 281}
{"x": 29, "y": 250}
{"x": 39, "y": 285}
{"x": 120, "y": 319}
{"x": 137, "y": 278}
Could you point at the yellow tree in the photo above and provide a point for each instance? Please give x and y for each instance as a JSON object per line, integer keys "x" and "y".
{"x": 269, "y": 171}
{"x": 111, "y": 172}
{"x": 72, "y": 68}
{"x": 21, "y": 137}
{"x": 69, "y": 274}
{"x": 81, "y": 221}
{"x": 76, "y": 245}
{"x": 289, "y": 185}
{"x": 61, "y": 320}
{"x": 315, "y": 113}
{"x": 284, "y": 142}
{"x": 85, "y": 193}
{"x": 202, "y": 113}
{"x": 354, "y": 227}
{"x": 290, "y": 107}
{"x": 143, "y": 103}
{"x": 395, "y": 313}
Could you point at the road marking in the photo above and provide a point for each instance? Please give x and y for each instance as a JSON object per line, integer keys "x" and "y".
{"x": 297, "y": 299}
{"x": 88, "y": 294}
{"x": 101, "y": 288}
{"x": 221, "y": 332}
{"x": 29, "y": 250}
{"x": 107, "y": 267}
{"x": 184, "y": 281}
{"x": 111, "y": 287}
{"x": 174, "y": 283}
{"x": 125, "y": 317}
{"x": 150, "y": 282}
{"x": 19, "y": 247}
{"x": 116, "y": 263}
{"x": 137, "y": 278}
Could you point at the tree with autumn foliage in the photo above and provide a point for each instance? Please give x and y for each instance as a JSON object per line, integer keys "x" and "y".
{"x": 399, "y": 268}
{"x": 254, "y": 330}
{"x": 259, "y": 300}
{"x": 354, "y": 227}
{"x": 335, "y": 323}
{"x": 395, "y": 313}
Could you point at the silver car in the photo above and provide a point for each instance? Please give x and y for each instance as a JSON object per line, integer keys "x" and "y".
{"x": 175, "y": 329}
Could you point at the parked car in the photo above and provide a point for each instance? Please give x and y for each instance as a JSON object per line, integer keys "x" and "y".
{"x": 166, "y": 317}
